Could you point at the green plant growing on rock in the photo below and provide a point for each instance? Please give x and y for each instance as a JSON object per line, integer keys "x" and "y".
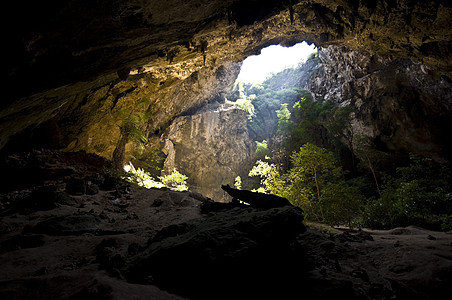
{"x": 175, "y": 180}
{"x": 247, "y": 105}
{"x": 313, "y": 55}
{"x": 262, "y": 150}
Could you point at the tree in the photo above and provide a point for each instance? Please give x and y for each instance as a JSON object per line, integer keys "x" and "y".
{"x": 309, "y": 117}
{"x": 419, "y": 194}
{"x": 246, "y": 105}
{"x": 341, "y": 203}
{"x": 312, "y": 168}
{"x": 341, "y": 131}
{"x": 283, "y": 115}
{"x": 131, "y": 130}
{"x": 369, "y": 156}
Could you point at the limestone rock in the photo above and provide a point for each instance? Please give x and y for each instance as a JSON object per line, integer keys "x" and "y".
{"x": 211, "y": 148}
{"x": 71, "y": 67}
{"x": 247, "y": 252}
{"x": 397, "y": 104}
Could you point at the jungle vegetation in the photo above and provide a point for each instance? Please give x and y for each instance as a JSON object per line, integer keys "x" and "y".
{"x": 308, "y": 152}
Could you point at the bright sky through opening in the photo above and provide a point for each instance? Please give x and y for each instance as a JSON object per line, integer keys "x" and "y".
{"x": 273, "y": 59}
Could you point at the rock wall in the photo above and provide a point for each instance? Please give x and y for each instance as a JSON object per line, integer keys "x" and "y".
{"x": 211, "y": 148}
{"x": 67, "y": 61}
{"x": 396, "y": 102}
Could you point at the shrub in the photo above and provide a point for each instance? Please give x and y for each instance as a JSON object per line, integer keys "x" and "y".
{"x": 262, "y": 149}
{"x": 270, "y": 178}
{"x": 141, "y": 178}
{"x": 341, "y": 203}
{"x": 247, "y": 106}
{"x": 175, "y": 180}
{"x": 238, "y": 183}
{"x": 314, "y": 54}
{"x": 420, "y": 194}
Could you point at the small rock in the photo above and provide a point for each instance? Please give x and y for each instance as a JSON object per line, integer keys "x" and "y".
{"x": 92, "y": 189}
{"x": 398, "y": 269}
{"x": 360, "y": 273}
{"x": 364, "y": 236}
{"x": 109, "y": 183}
{"x": 133, "y": 249}
{"x": 76, "y": 186}
{"x": 42, "y": 271}
{"x": 431, "y": 237}
{"x": 44, "y": 198}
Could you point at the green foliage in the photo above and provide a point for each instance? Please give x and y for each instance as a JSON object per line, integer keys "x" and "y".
{"x": 283, "y": 115}
{"x": 175, "y": 180}
{"x": 262, "y": 149}
{"x": 309, "y": 118}
{"x": 446, "y": 221}
{"x": 313, "y": 183}
{"x": 341, "y": 203}
{"x": 247, "y": 106}
{"x": 100, "y": 148}
{"x": 312, "y": 168}
{"x": 134, "y": 120}
{"x": 321, "y": 138}
{"x": 420, "y": 194}
{"x": 313, "y": 55}
{"x": 142, "y": 178}
{"x": 260, "y": 101}
{"x": 271, "y": 180}
{"x": 238, "y": 183}
{"x": 131, "y": 128}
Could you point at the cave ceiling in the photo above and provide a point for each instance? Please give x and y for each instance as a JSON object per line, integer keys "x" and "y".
{"x": 60, "y": 52}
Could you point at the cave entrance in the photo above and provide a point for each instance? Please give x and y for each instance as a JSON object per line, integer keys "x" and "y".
{"x": 271, "y": 81}
{"x": 272, "y": 60}
{"x": 267, "y": 88}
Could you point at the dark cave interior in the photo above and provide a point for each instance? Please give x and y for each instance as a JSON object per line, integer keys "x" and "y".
{"x": 92, "y": 86}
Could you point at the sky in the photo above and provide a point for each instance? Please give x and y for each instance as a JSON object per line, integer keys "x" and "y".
{"x": 273, "y": 59}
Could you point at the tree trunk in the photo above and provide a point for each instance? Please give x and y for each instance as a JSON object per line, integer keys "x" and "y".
{"x": 318, "y": 193}
{"x": 119, "y": 152}
{"x": 373, "y": 173}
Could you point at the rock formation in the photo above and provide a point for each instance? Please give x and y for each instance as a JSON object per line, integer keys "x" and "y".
{"x": 211, "y": 148}
{"x": 129, "y": 242}
{"x": 74, "y": 71}
{"x": 72, "y": 67}
{"x": 396, "y": 103}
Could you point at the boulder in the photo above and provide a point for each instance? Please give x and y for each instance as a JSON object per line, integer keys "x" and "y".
{"x": 229, "y": 253}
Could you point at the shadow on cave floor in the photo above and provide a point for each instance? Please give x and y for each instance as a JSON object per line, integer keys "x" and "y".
{"x": 70, "y": 231}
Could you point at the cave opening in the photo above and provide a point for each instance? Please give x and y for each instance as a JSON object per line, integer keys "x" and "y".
{"x": 273, "y": 59}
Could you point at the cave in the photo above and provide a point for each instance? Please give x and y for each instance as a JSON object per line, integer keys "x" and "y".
{"x": 108, "y": 103}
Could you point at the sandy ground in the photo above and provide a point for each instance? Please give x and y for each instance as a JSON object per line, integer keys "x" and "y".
{"x": 46, "y": 262}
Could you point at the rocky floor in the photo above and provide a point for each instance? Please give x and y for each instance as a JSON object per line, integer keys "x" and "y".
{"x": 69, "y": 230}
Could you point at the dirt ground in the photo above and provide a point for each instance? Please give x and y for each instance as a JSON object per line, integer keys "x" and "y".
{"x": 55, "y": 251}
